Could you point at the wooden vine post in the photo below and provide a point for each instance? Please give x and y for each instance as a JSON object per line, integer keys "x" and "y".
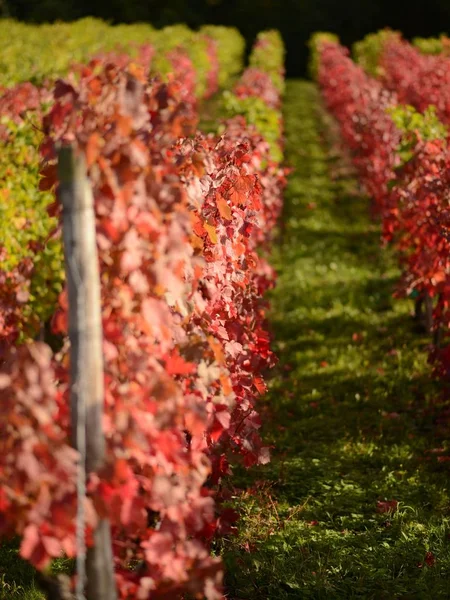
{"x": 95, "y": 568}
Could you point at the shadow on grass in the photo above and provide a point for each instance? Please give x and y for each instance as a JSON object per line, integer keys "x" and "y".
{"x": 16, "y": 575}
{"x": 355, "y": 502}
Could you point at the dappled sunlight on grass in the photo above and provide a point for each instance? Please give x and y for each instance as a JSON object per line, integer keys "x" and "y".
{"x": 355, "y": 503}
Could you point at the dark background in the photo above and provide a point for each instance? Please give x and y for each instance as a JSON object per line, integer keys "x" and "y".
{"x": 296, "y": 19}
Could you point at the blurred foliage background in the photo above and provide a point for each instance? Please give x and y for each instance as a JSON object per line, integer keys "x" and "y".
{"x": 296, "y": 19}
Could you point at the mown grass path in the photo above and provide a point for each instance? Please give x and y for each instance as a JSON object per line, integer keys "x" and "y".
{"x": 349, "y": 410}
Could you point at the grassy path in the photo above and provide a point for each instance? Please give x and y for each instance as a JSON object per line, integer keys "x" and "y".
{"x": 348, "y": 410}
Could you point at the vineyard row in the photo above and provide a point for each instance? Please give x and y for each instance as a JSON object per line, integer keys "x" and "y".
{"x": 183, "y": 220}
{"x": 393, "y": 110}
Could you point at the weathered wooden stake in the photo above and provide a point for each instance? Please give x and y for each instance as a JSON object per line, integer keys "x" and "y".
{"x": 95, "y": 567}
{"x": 428, "y": 313}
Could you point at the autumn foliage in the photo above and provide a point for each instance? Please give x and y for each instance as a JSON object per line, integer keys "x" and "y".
{"x": 402, "y": 156}
{"x": 180, "y": 216}
{"x": 420, "y": 80}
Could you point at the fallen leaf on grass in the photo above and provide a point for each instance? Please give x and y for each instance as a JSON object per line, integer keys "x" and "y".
{"x": 390, "y": 415}
{"x": 430, "y": 560}
{"x": 385, "y": 506}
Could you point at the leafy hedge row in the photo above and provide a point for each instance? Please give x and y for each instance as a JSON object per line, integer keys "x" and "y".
{"x": 314, "y": 44}
{"x": 202, "y": 60}
{"x": 257, "y": 94}
{"x": 180, "y": 217}
{"x": 399, "y": 142}
{"x": 369, "y": 51}
{"x": 34, "y": 53}
{"x": 433, "y": 45}
{"x": 31, "y": 268}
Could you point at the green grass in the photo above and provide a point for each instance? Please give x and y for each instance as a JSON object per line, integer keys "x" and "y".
{"x": 352, "y": 410}
{"x": 16, "y": 575}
